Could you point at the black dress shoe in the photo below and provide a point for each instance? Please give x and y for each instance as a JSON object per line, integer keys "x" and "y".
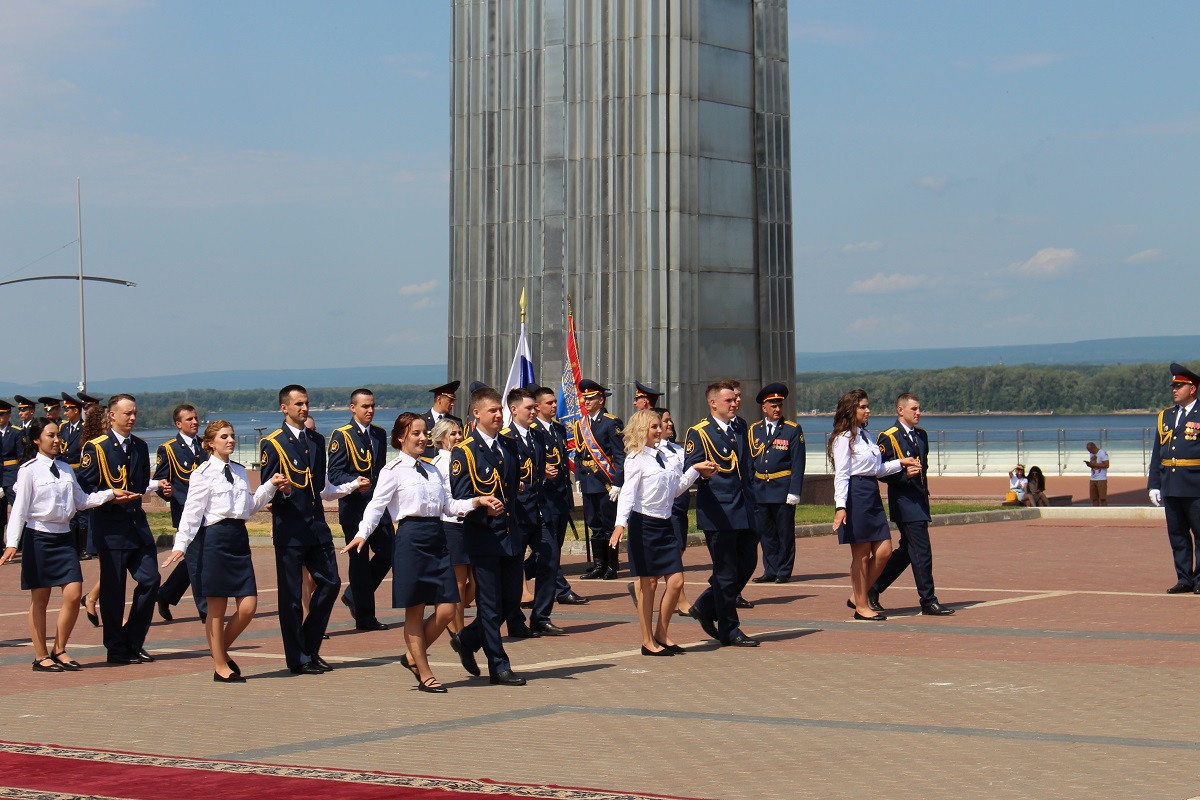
{"x": 111, "y": 659}
{"x": 348, "y": 602}
{"x": 783, "y": 578}
{"x": 1197, "y": 589}
{"x": 549, "y": 629}
{"x": 936, "y": 609}
{"x": 307, "y": 668}
{"x": 741, "y": 602}
{"x": 325, "y": 637}
{"x": 524, "y": 633}
{"x": 53, "y": 666}
{"x": 877, "y": 618}
{"x": 506, "y": 678}
{"x": 143, "y": 656}
{"x": 764, "y": 579}
{"x": 1180, "y": 588}
{"x": 572, "y": 599}
{"x": 322, "y": 663}
{"x": 468, "y": 661}
{"x": 706, "y": 623}
{"x": 372, "y": 626}
{"x": 873, "y": 601}
{"x": 674, "y": 648}
{"x": 632, "y": 594}
{"x": 70, "y": 665}
{"x": 610, "y": 574}
{"x": 646, "y": 651}
{"x": 233, "y": 665}
{"x": 593, "y": 572}
{"x": 164, "y": 610}
{"x": 455, "y": 645}
{"x": 741, "y": 640}
{"x": 234, "y": 677}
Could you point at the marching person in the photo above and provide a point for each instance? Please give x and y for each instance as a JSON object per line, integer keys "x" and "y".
{"x": 443, "y": 404}
{"x": 414, "y": 494}
{"x": 599, "y": 459}
{"x": 299, "y": 532}
{"x": 25, "y": 409}
{"x": 360, "y": 450}
{"x": 725, "y": 509}
{"x": 10, "y": 458}
{"x": 777, "y": 447}
{"x": 175, "y": 461}
{"x": 651, "y": 485}
{"x": 908, "y": 507}
{"x": 447, "y": 434}
{"x": 46, "y": 496}
{"x": 94, "y": 424}
{"x": 121, "y": 533}
{"x": 1174, "y": 480}
{"x": 70, "y": 445}
{"x": 557, "y": 497}
{"x": 673, "y": 452}
{"x": 859, "y": 520}
{"x": 218, "y": 503}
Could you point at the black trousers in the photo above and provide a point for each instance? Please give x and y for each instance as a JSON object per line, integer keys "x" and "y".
{"x": 914, "y": 549}
{"x": 546, "y": 547}
{"x": 497, "y": 598}
{"x": 124, "y": 637}
{"x": 185, "y": 575}
{"x": 600, "y": 514}
{"x": 302, "y": 635}
{"x": 558, "y": 525}
{"x": 776, "y": 523}
{"x": 734, "y": 559}
{"x": 1183, "y": 530}
{"x": 368, "y": 568}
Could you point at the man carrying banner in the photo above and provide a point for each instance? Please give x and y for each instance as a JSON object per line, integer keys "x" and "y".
{"x": 599, "y": 468}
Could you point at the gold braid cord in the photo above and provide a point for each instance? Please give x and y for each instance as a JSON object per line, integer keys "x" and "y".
{"x": 286, "y": 468}
{"x": 176, "y": 467}
{"x": 120, "y": 480}
{"x": 1165, "y": 434}
{"x": 357, "y": 463}
{"x": 725, "y": 464}
{"x": 482, "y": 486}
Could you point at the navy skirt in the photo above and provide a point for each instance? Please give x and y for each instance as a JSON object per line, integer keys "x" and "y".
{"x": 455, "y": 544}
{"x": 865, "y": 519}
{"x": 421, "y": 569}
{"x": 226, "y": 566}
{"x": 653, "y": 546}
{"x": 679, "y": 518}
{"x": 48, "y": 559}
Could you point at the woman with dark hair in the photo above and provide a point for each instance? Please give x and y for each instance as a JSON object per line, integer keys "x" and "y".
{"x": 45, "y": 498}
{"x": 1035, "y": 494}
{"x": 95, "y": 424}
{"x": 219, "y": 501}
{"x": 416, "y": 496}
{"x": 447, "y": 433}
{"x": 859, "y": 520}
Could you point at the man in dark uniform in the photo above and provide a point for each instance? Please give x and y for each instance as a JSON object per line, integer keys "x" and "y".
{"x": 777, "y": 447}
{"x": 90, "y": 404}
{"x": 486, "y": 463}
{"x": 725, "y": 511}
{"x": 530, "y": 446}
{"x": 299, "y": 532}
{"x": 557, "y": 497}
{"x": 53, "y": 408}
{"x": 1175, "y": 476}
{"x": 10, "y": 459}
{"x": 174, "y": 463}
{"x": 69, "y": 445}
{"x": 645, "y": 398}
{"x": 121, "y": 533}
{"x": 908, "y": 507}
{"x": 25, "y": 409}
{"x": 599, "y": 488}
{"x": 443, "y": 404}
{"x": 360, "y": 449}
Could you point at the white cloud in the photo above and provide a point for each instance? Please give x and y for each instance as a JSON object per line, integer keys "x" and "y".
{"x": 862, "y": 247}
{"x": 934, "y": 183}
{"x": 829, "y": 33}
{"x": 1022, "y": 62}
{"x": 887, "y": 283}
{"x": 418, "y": 288}
{"x": 1049, "y": 262}
{"x": 1148, "y": 256}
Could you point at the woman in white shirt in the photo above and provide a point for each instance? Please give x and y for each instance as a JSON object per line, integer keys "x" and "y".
{"x": 652, "y": 482}
{"x": 219, "y": 501}
{"x": 859, "y": 520}
{"x": 447, "y": 433}
{"x": 680, "y": 520}
{"x": 417, "y": 497}
{"x": 46, "y": 497}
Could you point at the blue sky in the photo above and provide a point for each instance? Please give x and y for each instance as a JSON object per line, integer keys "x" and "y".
{"x": 274, "y": 177}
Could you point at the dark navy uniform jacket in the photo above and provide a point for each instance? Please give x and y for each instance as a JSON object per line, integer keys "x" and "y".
{"x": 103, "y": 465}
{"x": 297, "y": 520}
{"x": 557, "y": 498}
{"x": 908, "y": 498}
{"x": 70, "y": 444}
{"x": 475, "y": 472}
{"x": 725, "y": 501}
{"x": 431, "y": 450}
{"x": 1175, "y": 460}
{"x": 353, "y": 454}
{"x": 778, "y": 463}
{"x": 607, "y": 430}
{"x": 531, "y": 474}
{"x": 175, "y": 462}
{"x": 11, "y": 442}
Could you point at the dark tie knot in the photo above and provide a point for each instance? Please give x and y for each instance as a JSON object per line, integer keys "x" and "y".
{"x": 420, "y": 468}
{"x": 658, "y": 457}
{"x": 228, "y": 474}
{"x": 53, "y": 469}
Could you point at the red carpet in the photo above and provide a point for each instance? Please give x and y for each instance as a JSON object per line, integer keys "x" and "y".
{"x": 48, "y": 772}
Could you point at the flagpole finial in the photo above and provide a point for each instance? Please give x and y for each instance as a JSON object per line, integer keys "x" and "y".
{"x": 523, "y": 305}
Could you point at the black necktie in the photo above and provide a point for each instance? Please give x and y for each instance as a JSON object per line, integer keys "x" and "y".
{"x": 302, "y": 446}
{"x": 125, "y": 447}
{"x": 196, "y": 448}
{"x": 420, "y": 468}
{"x": 658, "y": 457}
{"x": 53, "y": 469}
{"x": 770, "y": 431}
{"x": 496, "y": 451}
{"x": 228, "y": 474}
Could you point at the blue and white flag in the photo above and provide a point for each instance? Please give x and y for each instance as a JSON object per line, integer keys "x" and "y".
{"x": 520, "y": 374}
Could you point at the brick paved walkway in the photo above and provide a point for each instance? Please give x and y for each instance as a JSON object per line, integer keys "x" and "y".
{"x": 1067, "y": 673}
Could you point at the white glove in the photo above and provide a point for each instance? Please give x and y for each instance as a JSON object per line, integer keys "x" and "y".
{"x": 614, "y": 492}
{"x": 793, "y": 500}
{"x": 1156, "y": 497}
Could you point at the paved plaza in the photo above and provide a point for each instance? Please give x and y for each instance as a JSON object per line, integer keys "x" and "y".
{"x": 1067, "y": 673}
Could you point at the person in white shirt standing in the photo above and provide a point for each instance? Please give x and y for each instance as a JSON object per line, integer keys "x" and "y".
{"x": 46, "y": 497}
{"x": 1098, "y": 464}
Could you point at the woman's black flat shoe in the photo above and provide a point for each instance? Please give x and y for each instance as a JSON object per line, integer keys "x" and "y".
{"x": 233, "y": 666}
{"x": 70, "y": 665}
{"x": 674, "y": 649}
{"x": 53, "y": 666}
{"x": 92, "y": 616}
{"x": 411, "y": 667}
{"x": 876, "y": 618}
{"x": 432, "y": 686}
{"x": 648, "y": 652}
{"x": 850, "y": 605}
{"x": 233, "y": 678}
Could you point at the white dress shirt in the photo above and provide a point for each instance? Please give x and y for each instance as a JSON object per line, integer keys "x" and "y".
{"x": 864, "y": 459}
{"x": 46, "y": 502}
{"x": 650, "y": 488}
{"x": 212, "y": 498}
{"x": 403, "y": 492}
{"x": 672, "y": 453}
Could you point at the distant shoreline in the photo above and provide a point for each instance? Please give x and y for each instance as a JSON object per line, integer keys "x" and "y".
{"x": 1126, "y": 412}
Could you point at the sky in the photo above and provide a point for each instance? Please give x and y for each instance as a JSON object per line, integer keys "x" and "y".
{"x": 274, "y": 177}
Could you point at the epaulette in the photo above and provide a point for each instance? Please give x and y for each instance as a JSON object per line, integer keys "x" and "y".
{"x": 890, "y": 431}
{"x": 789, "y": 422}
{"x": 393, "y": 463}
{"x": 345, "y": 427}
{"x": 610, "y": 416}
{"x": 427, "y": 460}
{"x": 505, "y": 431}
{"x": 271, "y": 436}
{"x": 467, "y": 440}
{"x": 701, "y": 424}
{"x": 97, "y": 440}
{"x": 203, "y": 465}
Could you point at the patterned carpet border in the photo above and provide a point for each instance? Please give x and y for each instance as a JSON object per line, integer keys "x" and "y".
{"x": 314, "y": 773}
